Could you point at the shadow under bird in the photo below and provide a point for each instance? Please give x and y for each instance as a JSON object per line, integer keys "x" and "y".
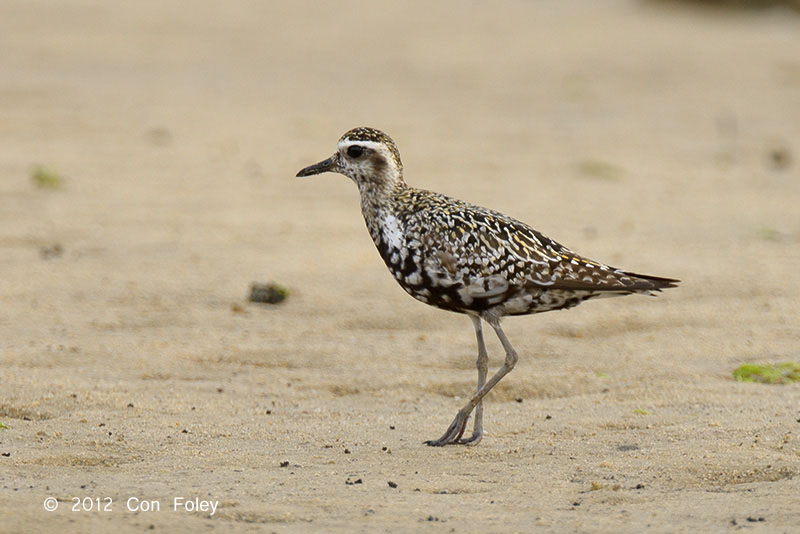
{"x": 468, "y": 259}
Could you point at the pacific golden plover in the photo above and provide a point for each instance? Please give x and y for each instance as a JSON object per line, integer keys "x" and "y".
{"x": 468, "y": 259}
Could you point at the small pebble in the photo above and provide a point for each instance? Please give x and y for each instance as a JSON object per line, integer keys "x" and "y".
{"x": 270, "y": 293}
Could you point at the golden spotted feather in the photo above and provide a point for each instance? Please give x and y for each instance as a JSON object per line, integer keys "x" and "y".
{"x": 466, "y": 258}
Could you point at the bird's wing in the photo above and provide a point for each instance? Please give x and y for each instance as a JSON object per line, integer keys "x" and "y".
{"x": 489, "y": 253}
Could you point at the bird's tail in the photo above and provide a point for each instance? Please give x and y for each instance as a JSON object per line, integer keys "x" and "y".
{"x": 646, "y": 283}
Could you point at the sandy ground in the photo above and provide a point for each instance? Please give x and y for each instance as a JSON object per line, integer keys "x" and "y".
{"x": 661, "y": 139}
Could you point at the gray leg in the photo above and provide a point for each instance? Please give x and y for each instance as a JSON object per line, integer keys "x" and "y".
{"x": 483, "y": 368}
{"x": 456, "y": 429}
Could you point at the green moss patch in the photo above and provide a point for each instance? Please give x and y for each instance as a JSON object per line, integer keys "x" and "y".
{"x": 46, "y": 178}
{"x": 779, "y": 373}
{"x": 600, "y": 170}
{"x": 767, "y": 233}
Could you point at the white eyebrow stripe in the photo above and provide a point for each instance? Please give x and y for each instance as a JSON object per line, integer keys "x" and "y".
{"x": 366, "y": 144}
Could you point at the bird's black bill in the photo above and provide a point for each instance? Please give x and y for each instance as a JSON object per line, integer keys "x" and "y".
{"x": 318, "y": 168}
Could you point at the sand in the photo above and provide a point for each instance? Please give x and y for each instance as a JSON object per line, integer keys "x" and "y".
{"x": 653, "y": 136}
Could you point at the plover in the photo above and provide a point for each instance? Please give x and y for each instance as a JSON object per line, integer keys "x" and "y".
{"x": 468, "y": 259}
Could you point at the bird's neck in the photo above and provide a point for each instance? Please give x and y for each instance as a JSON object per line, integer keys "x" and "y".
{"x": 379, "y": 194}
{"x": 378, "y": 202}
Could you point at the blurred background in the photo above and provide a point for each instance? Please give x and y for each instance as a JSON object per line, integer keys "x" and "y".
{"x": 163, "y": 138}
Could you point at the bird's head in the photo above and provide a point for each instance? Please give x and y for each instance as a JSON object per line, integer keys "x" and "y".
{"x": 367, "y": 156}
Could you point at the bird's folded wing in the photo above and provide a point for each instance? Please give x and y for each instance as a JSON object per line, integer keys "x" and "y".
{"x": 489, "y": 253}
{"x": 574, "y": 273}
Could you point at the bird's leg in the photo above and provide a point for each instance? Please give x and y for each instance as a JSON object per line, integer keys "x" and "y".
{"x": 454, "y": 432}
{"x": 482, "y": 364}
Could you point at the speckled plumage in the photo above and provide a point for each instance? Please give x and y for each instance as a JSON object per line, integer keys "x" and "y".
{"x": 465, "y": 258}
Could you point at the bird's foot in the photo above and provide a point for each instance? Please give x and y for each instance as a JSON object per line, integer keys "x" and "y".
{"x": 473, "y": 440}
{"x": 452, "y": 436}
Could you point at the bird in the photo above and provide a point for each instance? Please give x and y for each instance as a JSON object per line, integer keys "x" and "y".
{"x": 467, "y": 259}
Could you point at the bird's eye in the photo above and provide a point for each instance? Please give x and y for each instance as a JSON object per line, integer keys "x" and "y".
{"x": 355, "y": 151}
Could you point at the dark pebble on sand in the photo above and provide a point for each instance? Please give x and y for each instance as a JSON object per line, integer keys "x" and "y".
{"x": 270, "y": 293}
